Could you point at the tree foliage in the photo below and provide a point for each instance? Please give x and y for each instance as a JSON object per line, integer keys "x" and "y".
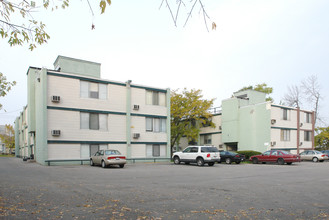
{"x": 322, "y": 139}
{"x": 261, "y": 88}
{"x": 5, "y": 86}
{"x": 188, "y": 112}
{"x": 8, "y": 138}
{"x": 30, "y": 31}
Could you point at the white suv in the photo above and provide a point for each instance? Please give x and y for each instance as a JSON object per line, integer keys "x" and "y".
{"x": 197, "y": 154}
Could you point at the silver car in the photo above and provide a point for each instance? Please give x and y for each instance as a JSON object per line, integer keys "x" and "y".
{"x": 313, "y": 155}
{"x": 108, "y": 157}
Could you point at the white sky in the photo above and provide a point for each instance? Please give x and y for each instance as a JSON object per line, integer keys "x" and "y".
{"x": 278, "y": 42}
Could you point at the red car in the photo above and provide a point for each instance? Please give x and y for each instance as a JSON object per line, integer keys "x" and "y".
{"x": 275, "y": 156}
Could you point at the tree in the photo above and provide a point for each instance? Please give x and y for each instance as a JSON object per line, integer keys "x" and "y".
{"x": 188, "y": 111}
{"x": 294, "y": 96}
{"x": 8, "y": 138}
{"x": 322, "y": 139}
{"x": 5, "y": 86}
{"x": 33, "y": 32}
{"x": 309, "y": 92}
{"x": 261, "y": 88}
{"x": 30, "y": 30}
{"x": 190, "y": 6}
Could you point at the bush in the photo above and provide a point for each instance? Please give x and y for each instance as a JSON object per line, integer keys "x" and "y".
{"x": 249, "y": 153}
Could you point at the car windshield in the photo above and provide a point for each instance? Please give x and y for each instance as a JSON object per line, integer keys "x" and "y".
{"x": 112, "y": 152}
{"x": 209, "y": 149}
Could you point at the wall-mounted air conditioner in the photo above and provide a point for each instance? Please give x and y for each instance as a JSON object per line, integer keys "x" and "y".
{"x": 136, "y": 135}
{"x": 55, "y": 98}
{"x": 273, "y": 143}
{"x": 273, "y": 121}
{"x": 136, "y": 107}
{"x": 55, "y": 132}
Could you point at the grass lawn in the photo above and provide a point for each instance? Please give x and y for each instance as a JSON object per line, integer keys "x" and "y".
{"x": 7, "y": 155}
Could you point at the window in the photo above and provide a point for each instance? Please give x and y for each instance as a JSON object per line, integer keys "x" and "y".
{"x": 93, "y": 90}
{"x": 308, "y": 117}
{"x": 307, "y": 135}
{"x": 267, "y": 153}
{"x": 285, "y": 114}
{"x": 156, "y": 150}
{"x": 87, "y": 150}
{"x": 206, "y": 139}
{"x": 155, "y": 98}
{"x": 93, "y": 121}
{"x": 285, "y": 135}
{"x": 156, "y": 124}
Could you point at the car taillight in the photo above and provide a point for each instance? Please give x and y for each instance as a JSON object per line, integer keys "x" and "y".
{"x": 323, "y": 155}
{"x": 237, "y": 155}
{"x": 208, "y": 155}
{"x": 113, "y": 158}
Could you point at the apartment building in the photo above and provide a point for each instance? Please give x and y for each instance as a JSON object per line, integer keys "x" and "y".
{"x": 248, "y": 122}
{"x": 71, "y": 113}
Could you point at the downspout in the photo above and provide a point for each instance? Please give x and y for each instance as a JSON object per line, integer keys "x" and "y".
{"x": 313, "y": 128}
{"x": 298, "y": 129}
{"x": 128, "y": 118}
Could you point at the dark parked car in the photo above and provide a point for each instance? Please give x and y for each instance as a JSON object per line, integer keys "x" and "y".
{"x": 326, "y": 152}
{"x": 275, "y": 156}
{"x": 229, "y": 157}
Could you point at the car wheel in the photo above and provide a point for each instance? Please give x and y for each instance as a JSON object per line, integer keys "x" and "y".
{"x": 280, "y": 161}
{"x": 315, "y": 159}
{"x": 237, "y": 162}
{"x": 255, "y": 160}
{"x": 228, "y": 161}
{"x": 103, "y": 164}
{"x": 289, "y": 163}
{"x": 200, "y": 161}
{"x": 176, "y": 160}
{"x": 211, "y": 164}
{"x": 122, "y": 165}
{"x": 92, "y": 163}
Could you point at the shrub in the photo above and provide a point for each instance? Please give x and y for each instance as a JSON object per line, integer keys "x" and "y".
{"x": 249, "y": 153}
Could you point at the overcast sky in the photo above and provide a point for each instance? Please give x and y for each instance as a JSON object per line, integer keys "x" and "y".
{"x": 278, "y": 42}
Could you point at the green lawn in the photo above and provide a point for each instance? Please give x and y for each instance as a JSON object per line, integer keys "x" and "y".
{"x": 7, "y": 155}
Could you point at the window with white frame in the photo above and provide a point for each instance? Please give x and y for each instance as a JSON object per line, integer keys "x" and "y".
{"x": 156, "y": 150}
{"x": 93, "y": 90}
{"x": 155, "y": 98}
{"x": 308, "y": 117}
{"x": 156, "y": 124}
{"x": 285, "y": 135}
{"x": 93, "y": 121}
{"x": 285, "y": 114}
{"x": 307, "y": 135}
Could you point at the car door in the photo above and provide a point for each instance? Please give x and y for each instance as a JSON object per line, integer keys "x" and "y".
{"x": 309, "y": 155}
{"x": 99, "y": 155}
{"x": 273, "y": 156}
{"x": 265, "y": 157}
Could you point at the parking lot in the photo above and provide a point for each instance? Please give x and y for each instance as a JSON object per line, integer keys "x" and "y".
{"x": 164, "y": 191}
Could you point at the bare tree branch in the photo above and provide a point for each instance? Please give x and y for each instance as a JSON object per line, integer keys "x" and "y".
{"x": 293, "y": 97}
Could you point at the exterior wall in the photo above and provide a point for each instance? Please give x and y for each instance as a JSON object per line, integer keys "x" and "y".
{"x": 297, "y": 125}
{"x": 80, "y": 67}
{"x": 44, "y": 115}
{"x": 254, "y": 127}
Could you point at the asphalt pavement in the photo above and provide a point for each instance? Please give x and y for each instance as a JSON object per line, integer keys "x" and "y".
{"x": 164, "y": 191}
